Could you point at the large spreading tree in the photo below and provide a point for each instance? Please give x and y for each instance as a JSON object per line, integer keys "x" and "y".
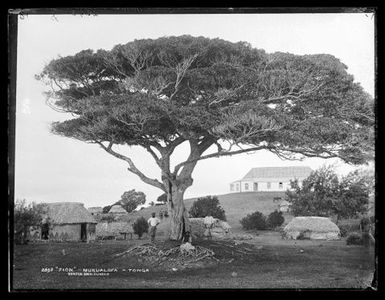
{"x": 208, "y": 93}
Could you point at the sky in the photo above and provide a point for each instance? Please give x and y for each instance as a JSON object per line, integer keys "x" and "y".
{"x": 51, "y": 168}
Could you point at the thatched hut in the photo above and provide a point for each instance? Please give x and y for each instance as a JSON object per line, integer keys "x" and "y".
{"x": 117, "y": 209}
{"x": 69, "y": 221}
{"x": 113, "y": 229}
{"x": 95, "y": 210}
{"x": 318, "y": 228}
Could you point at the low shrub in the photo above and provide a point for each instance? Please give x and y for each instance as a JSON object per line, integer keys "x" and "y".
{"x": 346, "y": 228}
{"x": 354, "y": 238}
{"x": 275, "y": 219}
{"x": 140, "y": 226}
{"x": 256, "y": 220}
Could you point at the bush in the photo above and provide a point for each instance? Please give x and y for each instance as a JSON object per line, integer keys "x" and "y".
{"x": 348, "y": 226}
{"x": 106, "y": 209}
{"x": 255, "y": 220}
{"x": 140, "y": 226}
{"x": 344, "y": 230}
{"x": 354, "y": 238}
{"x": 26, "y": 215}
{"x": 275, "y": 219}
{"x": 207, "y": 206}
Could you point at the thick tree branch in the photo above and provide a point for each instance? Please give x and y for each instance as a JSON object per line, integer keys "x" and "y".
{"x": 132, "y": 168}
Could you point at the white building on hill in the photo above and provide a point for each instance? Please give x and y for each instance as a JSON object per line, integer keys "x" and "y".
{"x": 269, "y": 179}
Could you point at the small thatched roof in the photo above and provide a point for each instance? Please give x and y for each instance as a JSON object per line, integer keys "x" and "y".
{"x": 68, "y": 213}
{"x": 117, "y": 209}
{"x": 96, "y": 209}
{"x": 113, "y": 228}
{"x": 314, "y": 224}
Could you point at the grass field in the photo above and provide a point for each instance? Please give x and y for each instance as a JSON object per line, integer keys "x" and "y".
{"x": 274, "y": 263}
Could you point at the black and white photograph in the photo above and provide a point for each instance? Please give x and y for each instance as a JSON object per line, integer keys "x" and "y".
{"x": 192, "y": 149}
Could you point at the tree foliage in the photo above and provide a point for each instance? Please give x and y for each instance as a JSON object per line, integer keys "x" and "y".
{"x": 275, "y": 219}
{"x": 324, "y": 194}
{"x": 140, "y": 226}
{"x": 151, "y": 91}
{"x": 221, "y": 98}
{"x": 26, "y": 215}
{"x": 106, "y": 209}
{"x": 207, "y": 206}
{"x": 130, "y": 200}
{"x": 254, "y": 221}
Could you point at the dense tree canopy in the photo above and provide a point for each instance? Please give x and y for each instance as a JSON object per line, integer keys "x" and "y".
{"x": 207, "y": 206}
{"x": 324, "y": 194}
{"x": 161, "y": 93}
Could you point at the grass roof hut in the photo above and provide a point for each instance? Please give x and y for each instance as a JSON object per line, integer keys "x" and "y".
{"x": 318, "y": 228}
{"x": 117, "y": 209}
{"x": 70, "y": 221}
{"x": 95, "y": 210}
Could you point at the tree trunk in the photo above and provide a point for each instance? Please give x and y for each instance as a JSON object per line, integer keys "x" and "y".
{"x": 179, "y": 217}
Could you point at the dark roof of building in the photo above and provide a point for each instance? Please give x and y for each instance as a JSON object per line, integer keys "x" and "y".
{"x": 278, "y": 172}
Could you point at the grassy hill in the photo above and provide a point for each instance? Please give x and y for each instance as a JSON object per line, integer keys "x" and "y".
{"x": 236, "y": 206}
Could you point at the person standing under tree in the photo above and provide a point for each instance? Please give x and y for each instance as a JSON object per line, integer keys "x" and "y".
{"x": 153, "y": 222}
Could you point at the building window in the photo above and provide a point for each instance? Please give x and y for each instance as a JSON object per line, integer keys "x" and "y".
{"x": 237, "y": 187}
{"x": 280, "y": 185}
{"x": 269, "y": 185}
{"x": 246, "y": 186}
{"x": 231, "y": 187}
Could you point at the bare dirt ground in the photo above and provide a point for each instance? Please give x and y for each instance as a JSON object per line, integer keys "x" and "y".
{"x": 266, "y": 261}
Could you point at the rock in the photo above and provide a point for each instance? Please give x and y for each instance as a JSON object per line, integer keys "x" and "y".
{"x": 234, "y": 274}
